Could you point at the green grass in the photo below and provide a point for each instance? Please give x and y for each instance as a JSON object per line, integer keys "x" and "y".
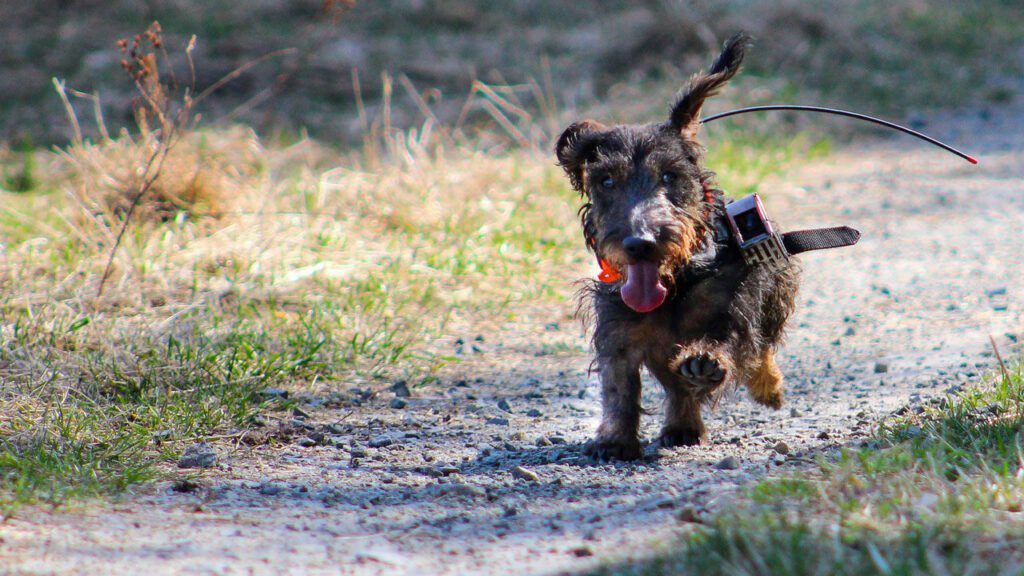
{"x": 941, "y": 492}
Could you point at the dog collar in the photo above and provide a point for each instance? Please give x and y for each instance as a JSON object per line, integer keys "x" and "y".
{"x": 750, "y": 230}
{"x": 753, "y": 233}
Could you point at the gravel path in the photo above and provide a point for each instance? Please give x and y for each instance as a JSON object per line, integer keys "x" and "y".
{"x": 486, "y": 474}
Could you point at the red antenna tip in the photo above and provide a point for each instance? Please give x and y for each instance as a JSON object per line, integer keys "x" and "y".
{"x": 972, "y": 159}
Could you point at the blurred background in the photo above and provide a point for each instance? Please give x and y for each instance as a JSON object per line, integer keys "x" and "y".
{"x": 314, "y": 64}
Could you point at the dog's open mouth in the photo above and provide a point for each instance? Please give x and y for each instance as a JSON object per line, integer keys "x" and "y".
{"x": 643, "y": 290}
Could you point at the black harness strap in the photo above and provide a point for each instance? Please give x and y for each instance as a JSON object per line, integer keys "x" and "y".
{"x": 819, "y": 239}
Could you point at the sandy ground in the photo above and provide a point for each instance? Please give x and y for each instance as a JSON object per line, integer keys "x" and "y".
{"x": 485, "y": 474}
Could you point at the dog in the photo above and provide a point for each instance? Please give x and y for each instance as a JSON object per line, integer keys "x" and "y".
{"x": 677, "y": 296}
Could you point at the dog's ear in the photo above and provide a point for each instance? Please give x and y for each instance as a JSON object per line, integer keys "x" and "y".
{"x": 685, "y": 116}
{"x": 576, "y": 146}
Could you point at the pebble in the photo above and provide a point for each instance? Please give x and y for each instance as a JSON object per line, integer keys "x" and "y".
{"x": 534, "y": 413}
{"x": 380, "y": 442}
{"x": 274, "y": 393}
{"x": 881, "y": 367}
{"x": 525, "y": 474}
{"x": 689, "y": 515}
{"x": 781, "y": 447}
{"x": 794, "y": 413}
{"x": 498, "y": 421}
{"x": 728, "y": 463}
{"x": 823, "y": 435}
{"x": 271, "y": 488}
{"x": 582, "y": 551}
{"x": 199, "y": 455}
{"x": 504, "y": 406}
{"x": 401, "y": 389}
{"x": 398, "y": 404}
{"x": 464, "y": 490}
{"x": 306, "y": 442}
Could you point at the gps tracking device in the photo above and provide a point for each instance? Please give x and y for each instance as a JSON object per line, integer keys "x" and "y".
{"x": 754, "y": 234}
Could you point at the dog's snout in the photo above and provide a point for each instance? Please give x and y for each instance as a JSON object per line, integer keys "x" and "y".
{"x": 639, "y": 247}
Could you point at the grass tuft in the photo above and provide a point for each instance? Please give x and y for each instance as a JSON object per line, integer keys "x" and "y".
{"x": 941, "y": 492}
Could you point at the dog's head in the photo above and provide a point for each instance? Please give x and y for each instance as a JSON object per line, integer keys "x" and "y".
{"x": 647, "y": 205}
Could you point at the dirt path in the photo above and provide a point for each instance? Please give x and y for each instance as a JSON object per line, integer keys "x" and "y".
{"x": 433, "y": 487}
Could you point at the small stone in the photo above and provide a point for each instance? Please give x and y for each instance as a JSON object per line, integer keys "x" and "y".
{"x": 781, "y": 447}
{"x": 401, "y": 389}
{"x": 380, "y": 442}
{"x": 779, "y": 459}
{"x": 525, "y": 474}
{"x": 185, "y": 486}
{"x": 498, "y": 421}
{"x": 271, "y": 488}
{"x": 306, "y": 442}
{"x": 850, "y": 331}
{"x": 823, "y": 435}
{"x": 582, "y": 551}
{"x": 447, "y": 470}
{"x": 466, "y": 490}
{"x": 794, "y": 413}
{"x": 534, "y": 413}
{"x": 542, "y": 442}
{"x": 398, "y": 404}
{"x": 666, "y": 502}
{"x": 728, "y": 463}
{"x": 881, "y": 367}
{"x": 689, "y": 515}
{"x": 338, "y": 428}
{"x": 198, "y": 455}
{"x": 273, "y": 394}
{"x": 504, "y": 406}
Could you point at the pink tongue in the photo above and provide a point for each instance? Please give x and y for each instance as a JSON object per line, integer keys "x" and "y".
{"x": 643, "y": 290}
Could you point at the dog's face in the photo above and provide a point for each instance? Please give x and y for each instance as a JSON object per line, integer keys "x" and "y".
{"x": 647, "y": 207}
{"x": 645, "y": 202}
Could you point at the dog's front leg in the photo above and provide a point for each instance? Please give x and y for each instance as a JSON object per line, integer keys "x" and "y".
{"x": 618, "y": 435}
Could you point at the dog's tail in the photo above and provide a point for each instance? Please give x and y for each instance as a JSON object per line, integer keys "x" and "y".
{"x": 685, "y": 115}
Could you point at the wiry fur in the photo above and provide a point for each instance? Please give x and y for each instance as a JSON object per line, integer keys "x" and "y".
{"x": 721, "y": 320}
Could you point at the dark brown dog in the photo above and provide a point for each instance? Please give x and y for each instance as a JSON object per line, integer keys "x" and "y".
{"x": 686, "y": 305}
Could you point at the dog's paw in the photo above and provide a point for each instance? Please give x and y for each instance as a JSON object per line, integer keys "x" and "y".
{"x": 680, "y": 436}
{"x": 702, "y": 370}
{"x": 607, "y": 449}
{"x": 772, "y": 399}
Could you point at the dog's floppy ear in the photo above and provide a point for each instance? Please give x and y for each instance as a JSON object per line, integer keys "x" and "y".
{"x": 576, "y": 146}
{"x": 685, "y": 116}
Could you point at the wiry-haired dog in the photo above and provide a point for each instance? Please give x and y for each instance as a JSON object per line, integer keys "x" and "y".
{"x": 680, "y": 299}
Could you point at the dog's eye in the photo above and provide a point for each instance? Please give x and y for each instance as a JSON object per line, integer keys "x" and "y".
{"x": 608, "y": 182}
{"x": 668, "y": 177}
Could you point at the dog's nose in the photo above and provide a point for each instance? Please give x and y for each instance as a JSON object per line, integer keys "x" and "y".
{"x": 638, "y": 247}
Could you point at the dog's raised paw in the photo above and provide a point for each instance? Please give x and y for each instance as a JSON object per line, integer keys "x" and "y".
{"x": 605, "y": 450}
{"x": 702, "y": 370}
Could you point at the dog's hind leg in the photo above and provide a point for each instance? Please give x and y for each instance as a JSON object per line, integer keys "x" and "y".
{"x": 764, "y": 380}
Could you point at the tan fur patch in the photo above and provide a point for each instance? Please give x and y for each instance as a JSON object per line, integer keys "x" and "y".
{"x": 765, "y": 381}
